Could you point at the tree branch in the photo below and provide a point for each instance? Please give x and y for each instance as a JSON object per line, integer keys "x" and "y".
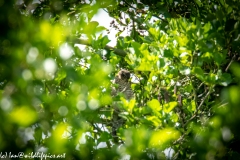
{"x": 117, "y": 51}
{"x": 230, "y": 61}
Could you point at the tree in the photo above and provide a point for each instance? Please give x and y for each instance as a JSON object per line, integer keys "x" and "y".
{"x": 56, "y": 97}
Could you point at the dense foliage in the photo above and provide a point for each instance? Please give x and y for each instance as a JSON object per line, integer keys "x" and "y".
{"x": 56, "y": 98}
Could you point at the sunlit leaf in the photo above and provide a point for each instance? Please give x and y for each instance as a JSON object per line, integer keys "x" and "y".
{"x": 174, "y": 117}
{"x": 91, "y": 27}
{"x": 192, "y": 106}
{"x": 154, "y": 33}
{"x": 136, "y": 47}
{"x": 52, "y": 34}
{"x": 154, "y": 105}
{"x": 207, "y": 27}
{"x": 154, "y": 120}
{"x": 100, "y": 29}
{"x": 23, "y": 116}
{"x": 161, "y": 138}
{"x": 168, "y": 107}
{"x": 58, "y": 138}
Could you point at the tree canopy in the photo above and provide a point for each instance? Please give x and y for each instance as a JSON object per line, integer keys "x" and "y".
{"x": 55, "y": 97}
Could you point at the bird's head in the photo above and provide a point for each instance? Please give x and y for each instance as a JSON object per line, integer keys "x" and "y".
{"x": 124, "y": 74}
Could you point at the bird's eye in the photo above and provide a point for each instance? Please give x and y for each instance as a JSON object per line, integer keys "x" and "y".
{"x": 125, "y": 75}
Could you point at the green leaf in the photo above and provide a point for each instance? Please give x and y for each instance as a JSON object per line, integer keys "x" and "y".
{"x": 168, "y": 107}
{"x": 104, "y": 41}
{"x": 100, "y": 29}
{"x": 184, "y": 70}
{"x": 168, "y": 53}
{"x": 127, "y": 20}
{"x": 211, "y": 78}
{"x": 154, "y": 120}
{"x": 174, "y": 117}
{"x": 199, "y": 3}
{"x": 207, "y": 57}
{"x": 38, "y": 134}
{"x": 154, "y": 33}
{"x": 104, "y": 137}
{"x": 61, "y": 74}
{"x": 154, "y": 105}
{"x": 136, "y": 46}
{"x": 218, "y": 58}
{"x": 207, "y": 27}
{"x": 161, "y": 138}
{"x": 145, "y": 66}
{"x": 128, "y": 105}
{"x": 198, "y": 72}
{"x": 143, "y": 47}
{"x": 161, "y": 63}
{"x": 119, "y": 33}
{"x": 225, "y": 79}
{"x": 121, "y": 43}
{"x": 145, "y": 110}
{"x": 147, "y": 39}
{"x": 90, "y": 28}
{"x": 229, "y": 10}
{"x": 192, "y": 106}
{"x": 23, "y": 116}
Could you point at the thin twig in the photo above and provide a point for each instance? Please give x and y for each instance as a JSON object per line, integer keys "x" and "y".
{"x": 230, "y": 63}
{"x": 199, "y": 107}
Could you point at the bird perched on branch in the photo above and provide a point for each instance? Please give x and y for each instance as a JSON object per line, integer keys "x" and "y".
{"x": 123, "y": 84}
{"x": 123, "y": 87}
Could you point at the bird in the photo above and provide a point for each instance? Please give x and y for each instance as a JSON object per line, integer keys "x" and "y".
{"x": 122, "y": 87}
